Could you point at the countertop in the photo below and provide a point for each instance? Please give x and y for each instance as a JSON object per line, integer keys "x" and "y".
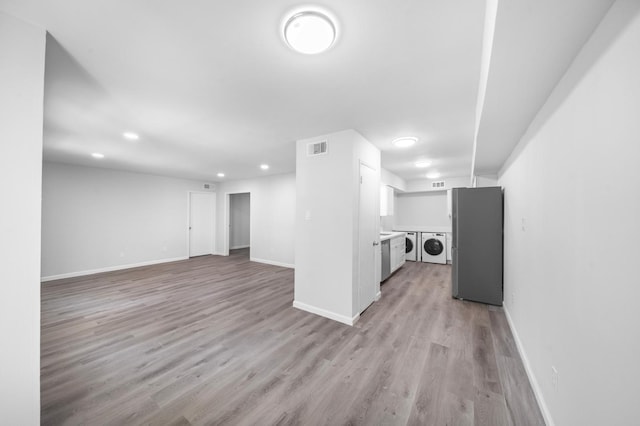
{"x": 390, "y": 235}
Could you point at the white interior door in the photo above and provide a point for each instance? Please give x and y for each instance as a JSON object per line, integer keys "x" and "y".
{"x": 201, "y": 223}
{"x": 367, "y": 235}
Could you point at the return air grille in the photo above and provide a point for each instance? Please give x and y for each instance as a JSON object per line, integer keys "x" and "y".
{"x": 317, "y": 148}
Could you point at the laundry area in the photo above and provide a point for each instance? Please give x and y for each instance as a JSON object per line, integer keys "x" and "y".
{"x": 424, "y": 215}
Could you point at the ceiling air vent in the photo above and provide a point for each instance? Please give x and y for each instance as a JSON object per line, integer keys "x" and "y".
{"x": 437, "y": 184}
{"x": 317, "y": 148}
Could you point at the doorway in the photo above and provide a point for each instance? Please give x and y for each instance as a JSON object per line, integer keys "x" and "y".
{"x": 239, "y": 224}
{"x": 202, "y": 207}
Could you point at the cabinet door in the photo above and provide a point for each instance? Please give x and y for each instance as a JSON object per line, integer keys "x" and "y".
{"x": 397, "y": 249}
{"x": 386, "y": 200}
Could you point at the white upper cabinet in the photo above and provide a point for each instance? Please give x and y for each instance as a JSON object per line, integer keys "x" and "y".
{"x": 386, "y": 200}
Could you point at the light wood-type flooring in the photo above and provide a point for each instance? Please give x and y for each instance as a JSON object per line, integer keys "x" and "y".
{"x": 215, "y": 340}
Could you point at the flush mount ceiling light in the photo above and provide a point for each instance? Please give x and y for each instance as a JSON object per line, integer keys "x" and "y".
{"x": 264, "y": 166}
{"x": 220, "y": 174}
{"x": 97, "y": 155}
{"x": 433, "y": 175}
{"x": 309, "y": 32}
{"x": 130, "y": 136}
{"x": 404, "y": 142}
{"x": 423, "y": 163}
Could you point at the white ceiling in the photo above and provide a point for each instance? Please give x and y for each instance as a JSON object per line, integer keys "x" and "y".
{"x": 211, "y": 87}
{"x": 535, "y": 41}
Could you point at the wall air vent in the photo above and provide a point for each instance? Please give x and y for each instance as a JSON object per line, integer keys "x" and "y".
{"x": 437, "y": 184}
{"x": 208, "y": 186}
{"x": 317, "y": 148}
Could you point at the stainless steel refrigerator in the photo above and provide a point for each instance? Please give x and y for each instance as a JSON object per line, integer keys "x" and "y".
{"x": 477, "y": 244}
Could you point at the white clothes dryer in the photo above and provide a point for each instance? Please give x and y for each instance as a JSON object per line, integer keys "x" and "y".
{"x": 434, "y": 247}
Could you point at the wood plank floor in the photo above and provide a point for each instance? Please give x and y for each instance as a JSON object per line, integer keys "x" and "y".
{"x": 215, "y": 340}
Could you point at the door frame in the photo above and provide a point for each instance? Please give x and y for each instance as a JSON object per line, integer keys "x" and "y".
{"x": 188, "y": 231}
{"x": 376, "y": 217}
{"x": 227, "y": 220}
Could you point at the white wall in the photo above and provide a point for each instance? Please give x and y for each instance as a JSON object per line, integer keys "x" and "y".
{"x": 422, "y": 211}
{"x": 97, "y": 219}
{"x": 390, "y": 179}
{"x": 239, "y": 215}
{"x": 326, "y": 224}
{"x": 570, "y": 273}
{"x": 22, "y": 49}
{"x": 272, "y": 222}
{"x": 421, "y": 185}
{"x": 486, "y": 180}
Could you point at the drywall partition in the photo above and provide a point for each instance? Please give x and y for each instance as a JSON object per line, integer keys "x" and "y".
{"x": 239, "y": 215}
{"x": 96, "y": 219}
{"x": 326, "y": 240}
{"x": 272, "y": 217}
{"x": 22, "y": 49}
{"x": 571, "y": 233}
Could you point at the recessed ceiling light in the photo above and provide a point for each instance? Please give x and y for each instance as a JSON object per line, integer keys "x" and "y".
{"x": 309, "y": 32}
{"x": 220, "y": 174}
{"x": 423, "y": 163}
{"x": 404, "y": 142}
{"x": 433, "y": 175}
{"x": 264, "y": 166}
{"x": 131, "y": 136}
{"x": 97, "y": 155}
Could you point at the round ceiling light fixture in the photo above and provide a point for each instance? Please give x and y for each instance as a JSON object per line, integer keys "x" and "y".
{"x": 264, "y": 166}
{"x": 97, "y": 155}
{"x": 220, "y": 175}
{"x": 423, "y": 163}
{"x": 404, "y": 142}
{"x": 131, "y": 136}
{"x": 309, "y": 32}
{"x": 433, "y": 175}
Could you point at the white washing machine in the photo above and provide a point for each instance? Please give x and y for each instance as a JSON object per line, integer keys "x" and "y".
{"x": 412, "y": 246}
{"x": 434, "y": 247}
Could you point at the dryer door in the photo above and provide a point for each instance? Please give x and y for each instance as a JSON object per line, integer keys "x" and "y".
{"x": 408, "y": 245}
{"x": 433, "y": 246}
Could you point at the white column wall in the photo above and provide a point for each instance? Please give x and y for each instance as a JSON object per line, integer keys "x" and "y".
{"x": 22, "y": 49}
{"x": 327, "y": 216}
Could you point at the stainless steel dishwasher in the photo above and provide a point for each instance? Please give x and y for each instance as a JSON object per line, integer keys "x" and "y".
{"x": 386, "y": 259}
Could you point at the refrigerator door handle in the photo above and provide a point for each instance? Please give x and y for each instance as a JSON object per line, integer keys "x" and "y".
{"x": 454, "y": 272}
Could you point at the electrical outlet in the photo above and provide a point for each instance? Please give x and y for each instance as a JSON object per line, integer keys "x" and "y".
{"x": 554, "y": 378}
{"x": 523, "y": 222}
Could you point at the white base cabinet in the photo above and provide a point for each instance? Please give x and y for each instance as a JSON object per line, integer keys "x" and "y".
{"x": 397, "y": 255}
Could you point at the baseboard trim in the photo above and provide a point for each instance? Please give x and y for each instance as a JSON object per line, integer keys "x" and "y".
{"x": 110, "y": 269}
{"x": 378, "y": 295}
{"x": 272, "y": 262}
{"x": 325, "y": 313}
{"x": 239, "y": 247}
{"x": 527, "y": 367}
